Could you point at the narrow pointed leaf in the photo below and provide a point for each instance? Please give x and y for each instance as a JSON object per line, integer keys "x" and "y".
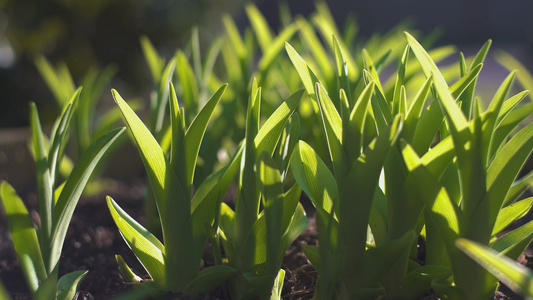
{"x": 511, "y": 213}
{"x": 68, "y": 285}
{"x": 505, "y": 269}
{"x": 146, "y": 247}
{"x": 446, "y": 100}
{"x": 196, "y": 131}
{"x": 314, "y": 177}
{"x": 73, "y": 188}
{"x": 506, "y": 165}
{"x": 155, "y": 62}
{"x": 24, "y": 236}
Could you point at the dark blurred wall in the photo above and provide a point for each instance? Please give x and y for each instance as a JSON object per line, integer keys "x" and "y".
{"x": 90, "y": 33}
{"x": 100, "y": 32}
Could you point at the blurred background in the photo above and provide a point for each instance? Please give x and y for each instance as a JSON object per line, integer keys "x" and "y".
{"x": 103, "y": 32}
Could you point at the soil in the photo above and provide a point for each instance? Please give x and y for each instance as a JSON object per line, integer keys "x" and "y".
{"x": 93, "y": 240}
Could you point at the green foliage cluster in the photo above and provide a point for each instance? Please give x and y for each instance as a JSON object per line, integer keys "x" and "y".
{"x": 388, "y": 162}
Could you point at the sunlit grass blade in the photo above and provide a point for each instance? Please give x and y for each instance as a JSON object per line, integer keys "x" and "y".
{"x": 342, "y": 70}
{"x": 510, "y": 63}
{"x": 506, "y": 165}
{"x": 518, "y": 188}
{"x": 24, "y": 237}
{"x": 369, "y": 66}
{"x": 44, "y": 181}
{"x": 465, "y": 82}
{"x": 73, "y": 188}
{"x": 68, "y": 285}
{"x": 155, "y": 62}
{"x": 415, "y": 109}
{"x": 306, "y": 74}
{"x": 400, "y": 79}
{"x": 146, "y": 246}
{"x": 125, "y": 271}
{"x": 358, "y": 191}
{"x": 269, "y": 134}
{"x": 159, "y": 103}
{"x": 269, "y": 181}
{"x": 59, "y": 135}
{"x": 274, "y": 48}
{"x": 509, "y": 104}
{"x": 196, "y": 131}
{"x": 515, "y": 277}
{"x": 353, "y": 138}
{"x": 260, "y": 26}
{"x": 314, "y": 177}
{"x": 332, "y": 126}
{"x": 513, "y": 243}
{"x": 235, "y": 37}
{"x": 508, "y": 124}
{"x": 453, "y": 112}
{"x": 511, "y": 213}
{"x": 61, "y": 89}
{"x": 188, "y": 84}
{"x": 467, "y": 97}
{"x": 172, "y": 203}
{"x": 314, "y": 44}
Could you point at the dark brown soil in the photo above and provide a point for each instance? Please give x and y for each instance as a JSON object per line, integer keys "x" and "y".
{"x": 93, "y": 240}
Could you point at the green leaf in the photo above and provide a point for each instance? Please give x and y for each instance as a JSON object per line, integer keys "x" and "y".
{"x": 511, "y": 213}
{"x": 415, "y": 109}
{"x": 159, "y": 103}
{"x": 518, "y": 188}
{"x": 353, "y": 137}
{"x": 155, "y": 62}
{"x": 419, "y": 280}
{"x": 509, "y": 104}
{"x": 173, "y": 204}
{"x": 505, "y": 167}
{"x": 146, "y": 246}
{"x": 442, "y": 210}
{"x": 210, "y": 278}
{"x": 455, "y": 115}
{"x": 125, "y": 271}
{"x": 269, "y": 134}
{"x": 313, "y": 43}
{"x": 359, "y": 189}
{"x": 44, "y": 182}
{"x": 68, "y": 285}
{"x": 59, "y": 135}
{"x": 376, "y": 262}
{"x": 60, "y": 88}
{"x": 234, "y": 36}
{"x": 260, "y": 26}
{"x": 314, "y": 177}
{"x": 332, "y": 126}
{"x": 188, "y": 83}
{"x": 269, "y": 181}
{"x": 464, "y": 82}
{"x": 510, "y": 63}
{"x": 24, "y": 237}
{"x": 491, "y": 115}
{"x": 271, "y": 53}
{"x": 342, "y": 69}
{"x": 513, "y": 243}
{"x": 517, "y": 278}
{"x": 196, "y": 132}
{"x": 400, "y": 80}
{"x": 305, "y": 72}
{"x": 73, "y": 188}
{"x": 507, "y": 124}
